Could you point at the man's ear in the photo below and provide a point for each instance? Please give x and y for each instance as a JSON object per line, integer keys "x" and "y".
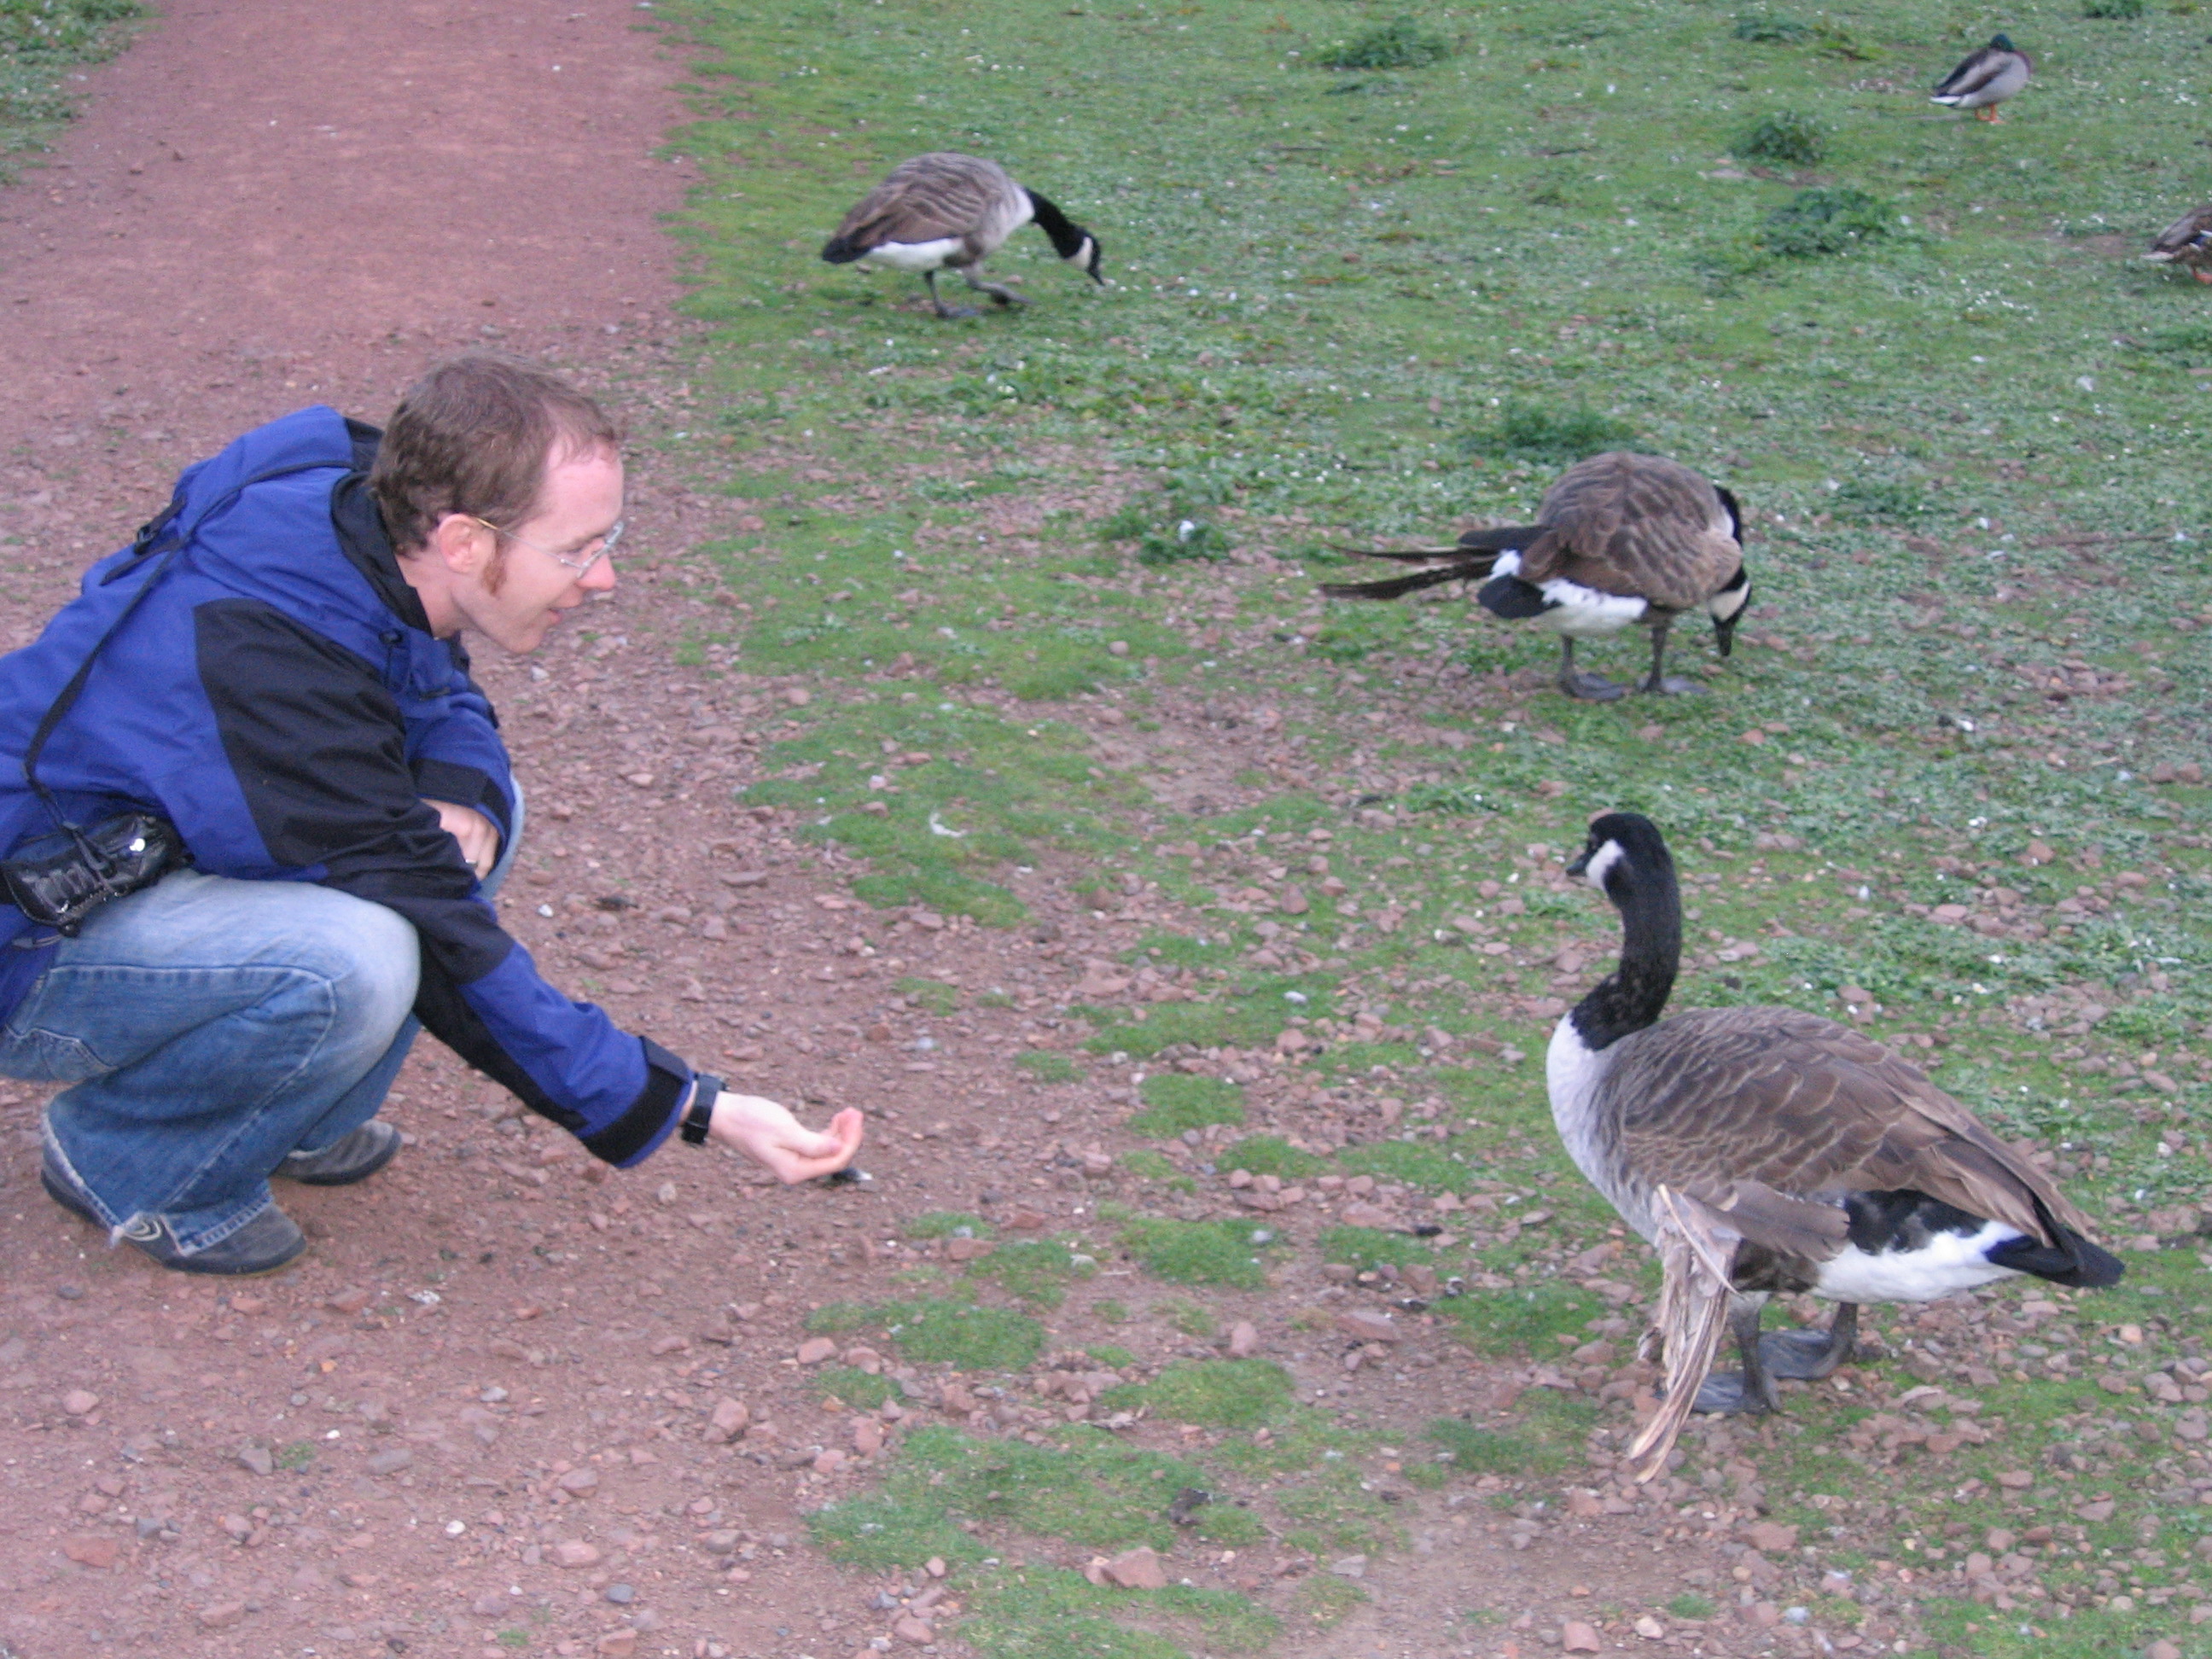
{"x": 460, "y": 543}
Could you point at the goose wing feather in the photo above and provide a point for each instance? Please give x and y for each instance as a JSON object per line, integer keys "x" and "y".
{"x": 1695, "y": 1246}
{"x": 1761, "y": 1113}
{"x": 1636, "y": 526}
{"x": 935, "y": 196}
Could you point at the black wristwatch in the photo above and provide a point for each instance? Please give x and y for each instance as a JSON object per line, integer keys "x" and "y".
{"x": 701, "y": 1113}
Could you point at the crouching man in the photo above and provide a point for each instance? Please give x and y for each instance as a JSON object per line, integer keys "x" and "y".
{"x": 254, "y": 811}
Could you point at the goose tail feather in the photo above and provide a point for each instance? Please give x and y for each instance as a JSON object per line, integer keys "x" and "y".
{"x": 1389, "y": 587}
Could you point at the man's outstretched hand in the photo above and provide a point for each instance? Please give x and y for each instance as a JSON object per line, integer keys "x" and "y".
{"x": 770, "y": 1135}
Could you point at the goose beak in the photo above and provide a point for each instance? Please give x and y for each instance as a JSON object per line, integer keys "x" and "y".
{"x": 1581, "y": 864}
{"x": 1724, "y": 633}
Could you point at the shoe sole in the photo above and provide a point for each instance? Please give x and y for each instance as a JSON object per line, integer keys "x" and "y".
{"x": 70, "y": 1201}
{"x": 391, "y": 1151}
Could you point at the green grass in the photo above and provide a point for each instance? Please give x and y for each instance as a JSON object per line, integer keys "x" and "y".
{"x": 43, "y": 46}
{"x": 1048, "y": 1067}
{"x": 1269, "y": 1155}
{"x": 1035, "y": 1271}
{"x": 852, "y": 1385}
{"x": 1176, "y": 1101}
{"x": 1200, "y": 1252}
{"x": 1227, "y": 1393}
{"x": 1933, "y": 374}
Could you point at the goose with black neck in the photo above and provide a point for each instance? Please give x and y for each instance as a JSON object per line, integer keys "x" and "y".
{"x": 1766, "y": 1150}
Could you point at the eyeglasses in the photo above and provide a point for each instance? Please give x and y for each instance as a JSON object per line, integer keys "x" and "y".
{"x": 599, "y": 547}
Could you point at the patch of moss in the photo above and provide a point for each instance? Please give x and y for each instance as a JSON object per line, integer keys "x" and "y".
{"x": 1229, "y": 1251}
{"x": 1176, "y": 1101}
{"x": 1364, "y": 1248}
{"x": 1221, "y": 1393}
{"x": 1048, "y": 1067}
{"x": 1269, "y": 1155}
{"x": 852, "y": 1385}
{"x": 1036, "y": 1270}
{"x": 947, "y": 1223}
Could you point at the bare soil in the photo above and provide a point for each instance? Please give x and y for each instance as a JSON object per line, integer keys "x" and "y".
{"x": 483, "y": 1405}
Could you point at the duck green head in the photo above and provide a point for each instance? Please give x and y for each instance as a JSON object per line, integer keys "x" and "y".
{"x": 2002, "y": 43}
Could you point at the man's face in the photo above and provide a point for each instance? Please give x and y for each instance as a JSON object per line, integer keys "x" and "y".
{"x": 581, "y": 502}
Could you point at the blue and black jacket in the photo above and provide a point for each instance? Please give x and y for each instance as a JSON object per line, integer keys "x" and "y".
{"x": 278, "y": 695}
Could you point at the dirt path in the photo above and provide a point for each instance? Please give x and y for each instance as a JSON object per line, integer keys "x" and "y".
{"x": 479, "y": 1416}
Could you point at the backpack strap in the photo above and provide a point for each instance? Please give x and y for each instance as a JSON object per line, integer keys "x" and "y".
{"x": 164, "y": 537}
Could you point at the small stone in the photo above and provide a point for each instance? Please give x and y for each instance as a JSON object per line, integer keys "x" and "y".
{"x": 728, "y": 1421}
{"x": 967, "y": 1249}
{"x": 575, "y": 1552}
{"x": 918, "y": 1631}
{"x": 1138, "y": 1569}
{"x": 350, "y": 1301}
{"x": 578, "y": 1480}
{"x": 80, "y": 1402}
{"x": 2163, "y": 1649}
{"x": 1650, "y": 1629}
{"x": 2015, "y": 1479}
{"x": 1576, "y": 1637}
{"x": 1292, "y": 901}
{"x": 257, "y": 1458}
{"x": 1367, "y": 1326}
{"x": 617, "y": 1644}
{"x": 1769, "y": 1536}
{"x": 670, "y": 1344}
{"x": 221, "y": 1615}
{"x": 1243, "y": 1338}
{"x": 1349, "y": 1566}
{"x": 816, "y": 1349}
{"x": 934, "y": 1567}
{"x": 70, "y": 1292}
{"x": 620, "y": 1594}
{"x": 829, "y": 1461}
{"x": 390, "y": 1461}
{"x": 91, "y": 1550}
{"x": 867, "y": 1436}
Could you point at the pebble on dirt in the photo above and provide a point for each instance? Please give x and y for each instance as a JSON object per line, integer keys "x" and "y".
{"x": 80, "y": 1402}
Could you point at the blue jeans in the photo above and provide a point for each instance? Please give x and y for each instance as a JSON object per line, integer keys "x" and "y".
{"x": 207, "y": 1027}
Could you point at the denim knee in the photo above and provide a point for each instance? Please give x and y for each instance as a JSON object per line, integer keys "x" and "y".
{"x": 372, "y": 959}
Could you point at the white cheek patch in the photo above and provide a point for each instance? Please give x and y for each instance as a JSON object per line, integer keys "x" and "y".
{"x": 1726, "y": 603}
{"x": 1508, "y": 564}
{"x": 914, "y": 256}
{"x": 1586, "y": 612}
{"x": 1602, "y": 862}
{"x": 1081, "y": 256}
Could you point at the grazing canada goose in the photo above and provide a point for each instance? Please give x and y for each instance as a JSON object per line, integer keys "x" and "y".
{"x": 1621, "y": 538}
{"x": 2186, "y": 242}
{"x": 1763, "y": 1150}
{"x": 1985, "y": 79}
{"x": 946, "y": 211}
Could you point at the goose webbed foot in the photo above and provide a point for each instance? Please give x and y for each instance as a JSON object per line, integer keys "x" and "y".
{"x": 1752, "y": 1392}
{"x": 1808, "y": 1356}
{"x": 949, "y": 313}
{"x": 1582, "y": 685}
{"x": 1658, "y": 682}
{"x": 1005, "y": 296}
{"x": 1592, "y": 688}
{"x": 1733, "y": 1396}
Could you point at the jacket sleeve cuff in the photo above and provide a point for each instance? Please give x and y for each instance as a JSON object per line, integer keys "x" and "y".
{"x": 651, "y": 1118}
{"x": 465, "y": 786}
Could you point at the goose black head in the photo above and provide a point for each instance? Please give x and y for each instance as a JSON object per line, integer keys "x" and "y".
{"x": 1727, "y": 608}
{"x": 1085, "y": 256}
{"x": 1624, "y": 855}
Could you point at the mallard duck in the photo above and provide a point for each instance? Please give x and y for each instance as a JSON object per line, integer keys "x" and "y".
{"x": 947, "y": 211}
{"x": 1986, "y": 79}
{"x": 1763, "y": 1150}
{"x": 2186, "y": 242}
{"x": 1620, "y": 540}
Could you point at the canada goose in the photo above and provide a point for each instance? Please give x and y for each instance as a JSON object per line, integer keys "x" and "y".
{"x": 943, "y": 211}
{"x": 1985, "y": 79}
{"x": 2187, "y": 242}
{"x": 1621, "y": 538}
{"x": 1763, "y": 1150}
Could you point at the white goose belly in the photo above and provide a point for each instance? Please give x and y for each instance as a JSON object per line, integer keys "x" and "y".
{"x": 914, "y": 256}
{"x": 1947, "y": 1263}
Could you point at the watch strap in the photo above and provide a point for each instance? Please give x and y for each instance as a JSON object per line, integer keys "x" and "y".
{"x": 700, "y": 1112}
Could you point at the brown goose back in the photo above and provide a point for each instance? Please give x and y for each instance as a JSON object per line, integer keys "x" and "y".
{"x": 1636, "y": 526}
